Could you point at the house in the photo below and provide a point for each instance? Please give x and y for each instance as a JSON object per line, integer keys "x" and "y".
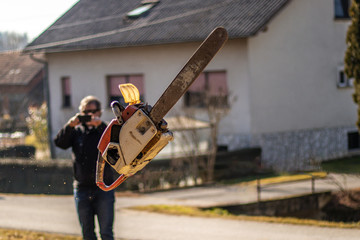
{"x": 21, "y": 86}
{"x": 281, "y": 69}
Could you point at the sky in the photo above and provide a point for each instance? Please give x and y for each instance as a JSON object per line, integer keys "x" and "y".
{"x": 31, "y": 16}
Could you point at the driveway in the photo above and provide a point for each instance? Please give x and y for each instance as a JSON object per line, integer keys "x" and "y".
{"x": 57, "y": 214}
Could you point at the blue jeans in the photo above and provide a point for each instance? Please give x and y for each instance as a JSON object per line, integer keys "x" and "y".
{"x": 94, "y": 201}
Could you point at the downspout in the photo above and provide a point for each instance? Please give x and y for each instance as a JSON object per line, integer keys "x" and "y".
{"x": 47, "y": 99}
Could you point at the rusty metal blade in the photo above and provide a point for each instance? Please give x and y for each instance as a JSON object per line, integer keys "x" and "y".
{"x": 188, "y": 74}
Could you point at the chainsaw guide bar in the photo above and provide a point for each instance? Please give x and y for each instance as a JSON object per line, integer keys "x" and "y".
{"x": 189, "y": 73}
{"x": 139, "y": 132}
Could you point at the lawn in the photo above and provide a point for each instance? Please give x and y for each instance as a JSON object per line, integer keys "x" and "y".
{"x": 350, "y": 165}
{"x": 12, "y": 234}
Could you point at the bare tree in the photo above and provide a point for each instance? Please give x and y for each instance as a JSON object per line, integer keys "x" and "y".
{"x": 201, "y": 164}
{"x": 188, "y": 140}
{"x": 12, "y": 41}
{"x": 217, "y": 107}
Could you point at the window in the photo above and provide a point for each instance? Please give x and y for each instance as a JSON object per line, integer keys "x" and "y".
{"x": 66, "y": 93}
{"x": 342, "y": 9}
{"x": 113, "y": 83}
{"x": 142, "y": 9}
{"x": 342, "y": 80}
{"x": 210, "y": 88}
{"x": 353, "y": 140}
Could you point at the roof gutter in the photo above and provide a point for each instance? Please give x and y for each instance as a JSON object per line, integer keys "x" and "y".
{"x": 47, "y": 99}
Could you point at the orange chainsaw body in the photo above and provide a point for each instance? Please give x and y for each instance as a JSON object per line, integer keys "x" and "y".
{"x": 130, "y": 144}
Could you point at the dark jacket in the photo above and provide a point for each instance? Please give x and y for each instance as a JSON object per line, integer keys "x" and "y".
{"x": 83, "y": 142}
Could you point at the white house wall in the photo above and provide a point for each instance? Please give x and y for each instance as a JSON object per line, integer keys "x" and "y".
{"x": 297, "y": 112}
{"x": 159, "y": 65}
{"x": 282, "y": 83}
{"x": 294, "y": 68}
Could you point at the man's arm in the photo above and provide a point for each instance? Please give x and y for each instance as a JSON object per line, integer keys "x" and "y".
{"x": 64, "y": 138}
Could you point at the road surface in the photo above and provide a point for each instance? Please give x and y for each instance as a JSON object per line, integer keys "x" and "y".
{"x": 57, "y": 214}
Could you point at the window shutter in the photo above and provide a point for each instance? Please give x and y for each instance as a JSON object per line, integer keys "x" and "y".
{"x": 217, "y": 84}
{"x": 114, "y": 82}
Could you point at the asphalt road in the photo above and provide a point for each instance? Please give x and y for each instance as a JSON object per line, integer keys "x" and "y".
{"x": 57, "y": 214}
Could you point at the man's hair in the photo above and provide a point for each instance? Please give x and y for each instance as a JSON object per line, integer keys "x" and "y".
{"x": 89, "y": 100}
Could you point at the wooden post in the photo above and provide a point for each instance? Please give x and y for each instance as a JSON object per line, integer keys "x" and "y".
{"x": 312, "y": 184}
{"x": 258, "y": 189}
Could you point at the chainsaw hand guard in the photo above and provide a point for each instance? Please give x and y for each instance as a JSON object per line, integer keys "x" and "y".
{"x": 100, "y": 176}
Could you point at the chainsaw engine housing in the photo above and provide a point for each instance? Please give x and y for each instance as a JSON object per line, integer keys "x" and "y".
{"x": 130, "y": 147}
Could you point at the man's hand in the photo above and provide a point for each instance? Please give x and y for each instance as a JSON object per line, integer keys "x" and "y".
{"x": 95, "y": 121}
{"x": 74, "y": 121}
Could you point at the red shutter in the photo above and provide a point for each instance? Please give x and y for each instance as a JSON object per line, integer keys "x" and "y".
{"x": 138, "y": 81}
{"x": 114, "y": 82}
{"x": 217, "y": 84}
{"x": 65, "y": 82}
{"x": 199, "y": 84}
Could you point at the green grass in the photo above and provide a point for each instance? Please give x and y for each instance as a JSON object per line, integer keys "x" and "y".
{"x": 287, "y": 178}
{"x": 251, "y": 177}
{"x": 221, "y": 213}
{"x": 272, "y": 177}
{"x": 13, "y": 234}
{"x": 350, "y": 165}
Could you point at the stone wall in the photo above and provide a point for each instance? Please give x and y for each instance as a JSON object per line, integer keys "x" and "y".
{"x": 295, "y": 150}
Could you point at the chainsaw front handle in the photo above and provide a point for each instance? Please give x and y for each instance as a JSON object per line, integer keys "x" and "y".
{"x": 100, "y": 167}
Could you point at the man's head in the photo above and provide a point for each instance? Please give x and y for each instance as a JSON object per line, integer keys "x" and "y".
{"x": 90, "y": 105}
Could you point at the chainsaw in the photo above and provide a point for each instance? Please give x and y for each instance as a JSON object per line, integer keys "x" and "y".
{"x": 138, "y": 132}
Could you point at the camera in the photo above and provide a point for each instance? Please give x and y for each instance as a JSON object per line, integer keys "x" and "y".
{"x": 84, "y": 118}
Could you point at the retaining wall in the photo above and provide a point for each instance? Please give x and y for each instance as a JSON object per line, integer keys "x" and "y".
{"x": 304, "y": 206}
{"x": 56, "y": 176}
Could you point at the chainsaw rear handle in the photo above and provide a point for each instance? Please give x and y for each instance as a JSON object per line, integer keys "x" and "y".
{"x": 100, "y": 167}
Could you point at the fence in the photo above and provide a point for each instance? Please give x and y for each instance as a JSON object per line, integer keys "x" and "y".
{"x": 310, "y": 177}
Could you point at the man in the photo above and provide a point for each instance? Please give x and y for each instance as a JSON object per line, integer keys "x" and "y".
{"x": 82, "y": 133}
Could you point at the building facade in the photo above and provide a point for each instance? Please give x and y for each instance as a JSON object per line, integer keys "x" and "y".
{"x": 283, "y": 80}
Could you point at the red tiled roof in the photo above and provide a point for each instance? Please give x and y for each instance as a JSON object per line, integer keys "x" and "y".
{"x": 17, "y": 68}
